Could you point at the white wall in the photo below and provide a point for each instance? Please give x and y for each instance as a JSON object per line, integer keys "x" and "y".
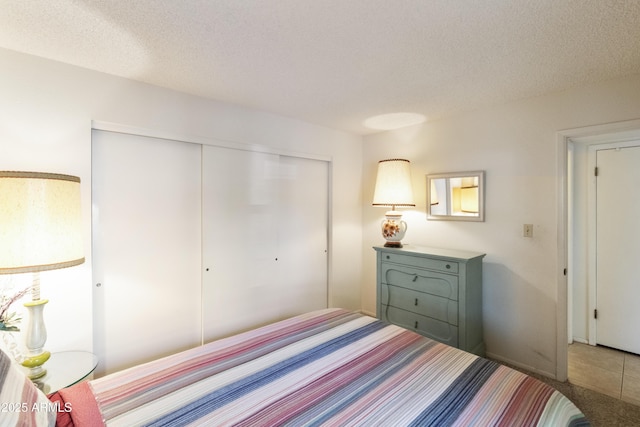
{"x": 46, "y": 110}
{"x": 516, "y": 144}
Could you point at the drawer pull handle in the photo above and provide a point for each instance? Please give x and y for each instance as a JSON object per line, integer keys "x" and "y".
{"x": 416, "y": 302}
{"x": 448, "y": 267}
{"x": 415, "y": 277}
{"x": 388, "y": 257}
{"x": 416, "y": 325}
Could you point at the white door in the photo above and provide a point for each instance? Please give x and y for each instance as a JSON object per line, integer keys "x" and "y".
{"x": 238, "y": 239}
{"x": 618, "y": 248}
{"x": 146, "y": 214}
{"x": 302, "y": 214}
{"x": 264, "y": 238}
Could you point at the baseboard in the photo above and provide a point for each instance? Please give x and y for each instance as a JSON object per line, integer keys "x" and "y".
{"x": 580, "y": 340}
{"x": 522, "y": 366}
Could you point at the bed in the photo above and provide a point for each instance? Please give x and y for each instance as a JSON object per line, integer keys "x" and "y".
{"x": 328, "y": 367}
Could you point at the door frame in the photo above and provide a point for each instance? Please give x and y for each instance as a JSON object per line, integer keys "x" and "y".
{"x": 565, "y": 141}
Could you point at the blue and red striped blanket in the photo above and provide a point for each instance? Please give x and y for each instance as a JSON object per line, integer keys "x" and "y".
{"x": 331, "y": 367}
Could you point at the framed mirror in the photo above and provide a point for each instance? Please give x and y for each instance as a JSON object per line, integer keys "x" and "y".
{"x": 456, "y": 196}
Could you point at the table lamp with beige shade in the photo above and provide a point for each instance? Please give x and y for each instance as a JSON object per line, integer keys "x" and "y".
{"x": 40, "y": 229}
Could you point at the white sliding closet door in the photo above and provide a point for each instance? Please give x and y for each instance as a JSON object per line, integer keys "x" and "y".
{"x": 264, "y": 238}
{"x": 146, "y": 196}
{"x": 302, "y": 215}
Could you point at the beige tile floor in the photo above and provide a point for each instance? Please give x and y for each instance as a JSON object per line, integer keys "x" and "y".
{"x": 605, "y": 370}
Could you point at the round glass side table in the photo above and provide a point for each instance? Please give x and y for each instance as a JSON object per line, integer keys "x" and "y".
{"x": 65, "y": 369}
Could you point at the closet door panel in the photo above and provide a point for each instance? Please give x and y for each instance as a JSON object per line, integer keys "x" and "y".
{"x": 302, "y": 240}
{"x": 239, "y": 239}
{"x": 264, "y": 238}
{"x": 146, "y": 197}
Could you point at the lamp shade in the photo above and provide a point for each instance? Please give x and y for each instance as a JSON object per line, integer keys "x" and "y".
{"x": 393, "y": 184}
{"x": 469, "y": 198}
{"x": 40, "y": 222}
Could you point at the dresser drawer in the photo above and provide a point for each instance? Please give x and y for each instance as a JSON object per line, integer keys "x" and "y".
{"x": 432, "y": 328}
{"x": 414, "y": 261}
{"x": 430, "y": 282}
{"x": 432, "y": 306}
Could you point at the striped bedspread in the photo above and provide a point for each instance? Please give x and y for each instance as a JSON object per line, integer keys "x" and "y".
{"x": 330, "y": 367}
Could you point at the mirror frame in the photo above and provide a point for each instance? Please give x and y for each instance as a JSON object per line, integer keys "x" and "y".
{"x": 449, "y": 216}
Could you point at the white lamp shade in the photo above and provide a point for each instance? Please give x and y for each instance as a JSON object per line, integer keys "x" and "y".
{"x": 393, "y": 184}
{"x": 40, "y": 222}
{"x": 469, "y": 199}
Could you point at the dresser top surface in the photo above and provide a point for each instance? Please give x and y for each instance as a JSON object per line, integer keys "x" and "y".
{"x": 432, "y": 252}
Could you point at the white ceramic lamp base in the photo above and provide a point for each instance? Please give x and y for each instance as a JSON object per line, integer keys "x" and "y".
{"x": 393, "y": 229}
{"x": 35, "y": 338}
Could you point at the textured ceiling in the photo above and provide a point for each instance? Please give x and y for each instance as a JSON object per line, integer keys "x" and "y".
{"x": 338, "y": 62}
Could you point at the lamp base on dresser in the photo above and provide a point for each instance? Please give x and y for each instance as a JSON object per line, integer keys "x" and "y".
{"x": 393, "y": 245}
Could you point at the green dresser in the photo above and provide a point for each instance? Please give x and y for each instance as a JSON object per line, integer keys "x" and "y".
{"x": 435, "y": 292}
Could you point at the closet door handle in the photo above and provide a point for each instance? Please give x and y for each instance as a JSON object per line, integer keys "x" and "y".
{"x": 416, "y": 302}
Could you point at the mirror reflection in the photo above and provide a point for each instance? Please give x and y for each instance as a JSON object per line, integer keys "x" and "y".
{"x": 456, "y": 196}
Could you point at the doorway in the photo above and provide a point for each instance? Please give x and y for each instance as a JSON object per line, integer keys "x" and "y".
{"x": 576, "y": 299}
